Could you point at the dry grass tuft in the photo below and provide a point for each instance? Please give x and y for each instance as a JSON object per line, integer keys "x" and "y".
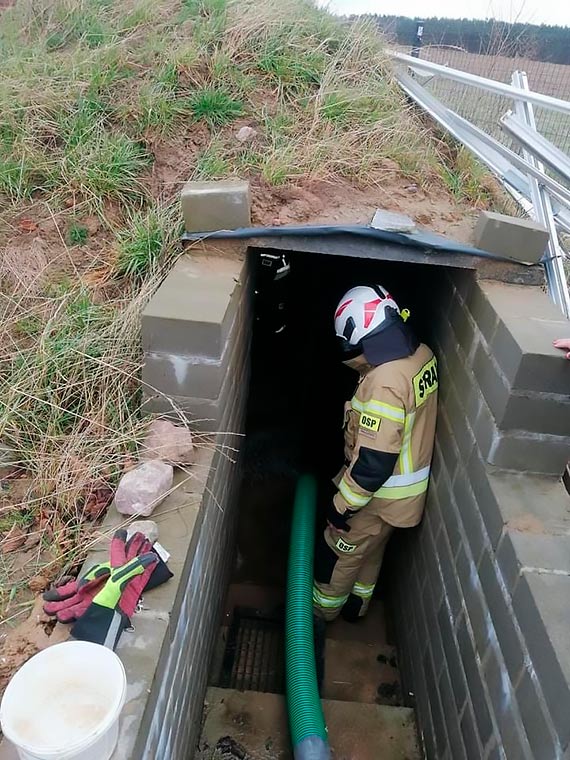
{"x": 89, "y": 92}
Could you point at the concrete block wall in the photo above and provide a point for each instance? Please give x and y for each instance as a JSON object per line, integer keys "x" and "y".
{"x": 220, "y": 317}
{"x": 480, "y": 590}
{"x": 222, "y": 322}
{"x": 190, "y": 355}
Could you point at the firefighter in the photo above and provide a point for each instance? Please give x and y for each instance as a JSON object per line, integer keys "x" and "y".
{"x": 389, "y": 431}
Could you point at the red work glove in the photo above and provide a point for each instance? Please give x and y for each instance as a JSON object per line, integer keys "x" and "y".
{"x": 69, "y": 602}
{"x": 137, "y": 545}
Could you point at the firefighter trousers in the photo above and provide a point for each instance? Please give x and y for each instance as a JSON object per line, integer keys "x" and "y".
{"x": 349, "y": 564}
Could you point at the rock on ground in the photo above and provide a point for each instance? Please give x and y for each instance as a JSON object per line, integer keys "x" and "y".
{"x": 245, "y": 134}
{"x": 141, "y": 490}
{"x": 148, "y": 527}
{"x": 168, "y": 442}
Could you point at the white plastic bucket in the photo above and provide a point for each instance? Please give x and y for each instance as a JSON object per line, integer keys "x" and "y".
{"x": 65, "y": 702}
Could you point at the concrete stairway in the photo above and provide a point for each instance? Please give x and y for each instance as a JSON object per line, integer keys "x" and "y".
{"x": 361, "y": 701}
{"x": 249, "y": 725}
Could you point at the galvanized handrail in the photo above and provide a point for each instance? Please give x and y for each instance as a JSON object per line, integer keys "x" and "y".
{"x": 491, "y": 85}
{"x": 535, "y": 143}
{"x": 542, "y": 205}
{"x": 523, "y": 176}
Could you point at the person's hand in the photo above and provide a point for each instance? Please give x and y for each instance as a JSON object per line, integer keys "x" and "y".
{"x": 564, "y": 344}
{"x": 336, "y": 521}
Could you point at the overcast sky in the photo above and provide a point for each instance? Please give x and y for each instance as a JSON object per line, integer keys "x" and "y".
{"x": 527, "y": 11}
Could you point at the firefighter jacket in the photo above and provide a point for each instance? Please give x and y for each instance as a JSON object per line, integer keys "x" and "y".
{"x": 388, "y": 434}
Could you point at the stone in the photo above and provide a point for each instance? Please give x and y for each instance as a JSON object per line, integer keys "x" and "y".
{"x": 392, "y": 221}
{"x": 141, "y": 490}
{"x": 521, "y": 239}
{"x": 168, "y": 442}
{"x": 192, "y": 312}
{"x": 245, "y": 134}
{"x": 220, "y": 205}
{"x": 148, "y": 527}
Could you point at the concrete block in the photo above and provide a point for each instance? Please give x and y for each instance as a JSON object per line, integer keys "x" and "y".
{"x": 544, "y": 744}
{"x": 495, "y": 750}
{"x": 460, "y": 374}
{"x": 475, "y": 684}
{"x": 471, "y": 741}
{"x": 433, "y": 574}
{"x": 530, "y": 452}
{"x": 470, "y": 515}
{"x": 537, "y": 413}
{"x": 423, "y": 712}
{"x": 491, "y": 381}
{"x": 193, "y": 310}
{"x": 438, "y": 718}
{"x": 436, "y": 466}
{"x": 456, "y": 748}
{"x": 392, "y": 221}
{"x": 221, "y": 205}
{"x": 510, "y": 272}
{"x": 452, "y": 658}
{"x": 461, "y": 324}
{"x": 502, "y": 615}
{"x": 192, "y": 376}
{"x": 526, "y": 548}
{"x": 521, "y": 239}
{"x": 485, "y": 428}
{"x": 460, "y": 428}
{"x": 446, "y": 442}
{"x": 509, "y": 722}
{"x": 451, "y": 587}
{"x": 516, "y": 410}
{"x": 451, "y": 520}
{"x": 432, "y": 513}
{"x": 204, "y": 414}
{"x": 475, "y": 604}
{"x": 540, "y": 602}
{"x": 531, "y": 503}
{"x": 482, "y": 312}
{"x": 486, "y": 500}
{"x": 508, "y": 562}
{"x": 471, "y": 402}
{"x": 463, "y": 281}
{"x": 522, "y": 344}
{"x": 428, "y": 611}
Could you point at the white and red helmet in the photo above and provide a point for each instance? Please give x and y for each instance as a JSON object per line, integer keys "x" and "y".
{"x": 362, "y": 312}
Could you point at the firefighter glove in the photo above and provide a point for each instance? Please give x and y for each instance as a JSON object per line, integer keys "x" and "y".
{"x": 104, "y": 620}
{"x": 338, "y": 521}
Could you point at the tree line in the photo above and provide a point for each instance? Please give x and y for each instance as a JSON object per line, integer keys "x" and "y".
{"x": 488, "y": 37}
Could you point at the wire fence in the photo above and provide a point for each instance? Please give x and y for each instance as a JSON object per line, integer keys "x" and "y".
{"x": 485, "y": 109}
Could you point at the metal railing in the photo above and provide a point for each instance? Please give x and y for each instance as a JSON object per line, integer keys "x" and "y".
{"x": 486, "y": 110}
{"x": 544, "y": 198}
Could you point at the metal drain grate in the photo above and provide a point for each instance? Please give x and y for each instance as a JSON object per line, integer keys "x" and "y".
{"x": 254, "y": 657}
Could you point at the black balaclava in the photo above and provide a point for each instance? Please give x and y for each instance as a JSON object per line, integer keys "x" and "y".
{"x": 397, "y": 341}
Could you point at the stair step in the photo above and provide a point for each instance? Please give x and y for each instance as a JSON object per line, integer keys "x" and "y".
{"x": 254, "y": 725}
{"x": 370, "y": 629}
{"x": 357, "y": 672}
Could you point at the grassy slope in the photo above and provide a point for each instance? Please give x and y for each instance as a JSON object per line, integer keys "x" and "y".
{"x": 92, "y": 94}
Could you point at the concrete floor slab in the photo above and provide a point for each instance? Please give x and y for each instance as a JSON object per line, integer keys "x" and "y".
{"x": 356, "y": 672}
{"x": 369, "y": 630}
{"x": 256, "y": 724}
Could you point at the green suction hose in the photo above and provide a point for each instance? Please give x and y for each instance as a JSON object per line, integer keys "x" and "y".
{"x": 306, "y": 721}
